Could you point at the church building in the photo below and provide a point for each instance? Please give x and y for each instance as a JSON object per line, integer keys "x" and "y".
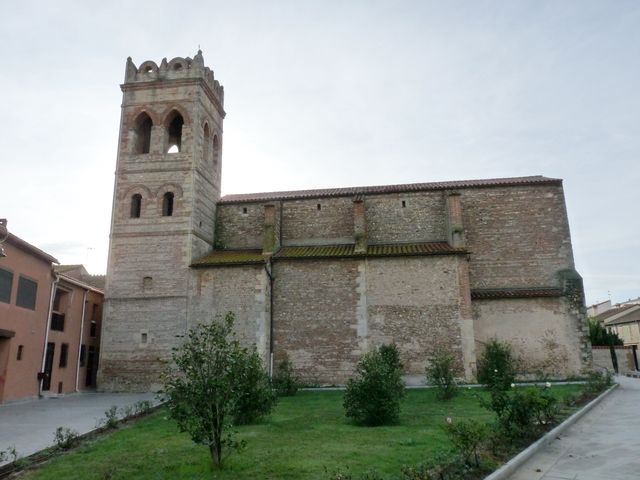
{"x": 322, "y": 276}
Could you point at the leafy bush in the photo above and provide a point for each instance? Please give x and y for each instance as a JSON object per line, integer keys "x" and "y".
{"x": 599, "y": 335}
{"x": 598, "y": 381}
{"x": 373, "y": 396}
{"x": 496, "y": 366}
{"x": 255, "y": 397}
{"x": 284, "y": 381}
{"x": 142, "y": 407}
{"x": 66, "y": 438}
{"x": 523, "y": 412}
{"x": 467, "y": 437}
{"x": 440, "y": 373}
{"x": 111, "y": 417}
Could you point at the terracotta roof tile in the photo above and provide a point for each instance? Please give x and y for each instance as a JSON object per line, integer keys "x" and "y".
{"x": 247, "y": 257}
{"x": 230, "y": 257}
{"x": 494, "y": 293}
{"x": 389, "y": 250}
{"x": 613, "y": 311}
{"x": 409, "y": 187}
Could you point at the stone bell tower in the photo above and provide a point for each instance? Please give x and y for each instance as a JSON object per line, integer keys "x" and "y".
{"x": 167, "y": 183}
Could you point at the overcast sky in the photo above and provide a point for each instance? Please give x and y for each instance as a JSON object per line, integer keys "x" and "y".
{"x": 337, "y": 93}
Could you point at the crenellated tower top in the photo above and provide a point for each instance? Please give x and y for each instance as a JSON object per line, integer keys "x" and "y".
{"x": 177, "y": 68}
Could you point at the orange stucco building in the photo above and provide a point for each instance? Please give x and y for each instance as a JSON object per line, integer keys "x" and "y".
{"x": 49, "y": 324}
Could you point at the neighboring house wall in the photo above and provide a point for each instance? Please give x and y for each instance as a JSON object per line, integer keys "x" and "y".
{"x": 22, "y": 328}
{"x": 76, "y": 306}
{"x": 602, "y": 359}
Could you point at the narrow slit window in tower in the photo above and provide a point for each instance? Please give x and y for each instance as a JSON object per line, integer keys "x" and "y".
{"x": 175, "y": 134}
{"x": 167, "y": 204}
{"x": 205, "y": 144}
{"x": 136, "y": 205}
{"x": 216, "y": 151}
{"x": 143, "y": 133}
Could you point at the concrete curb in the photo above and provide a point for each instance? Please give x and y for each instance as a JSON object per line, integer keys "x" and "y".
{"x": 506, "y": 470}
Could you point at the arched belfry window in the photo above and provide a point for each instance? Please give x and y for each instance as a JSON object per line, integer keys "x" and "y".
{"x": 205, "y": 144}
{"x": 136, "y": 205}
{"x": 216, "y": 150}
{"x": 167, "y": 204}
{"x": 143, "y": 126}
{"x": 174, "y": 132}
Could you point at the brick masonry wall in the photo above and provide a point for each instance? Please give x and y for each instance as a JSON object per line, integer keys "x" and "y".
{"x": 243, "y": 290}
{"x": 328, "y": 313}
{"x": 518, "y": 236}
{"x": 236, "y": 229}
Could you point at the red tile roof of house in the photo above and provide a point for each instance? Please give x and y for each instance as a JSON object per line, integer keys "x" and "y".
{"x": 376, "y": 189}
{"x": 614, "y": 311}
{"x": 27, "y": 247}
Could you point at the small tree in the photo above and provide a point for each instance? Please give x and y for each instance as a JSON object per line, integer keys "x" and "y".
{"x": 441, "y": 373}
{"x": 373, "y": 396}
{"x": 496, "y": 366}
{"x": 202, "y": 392}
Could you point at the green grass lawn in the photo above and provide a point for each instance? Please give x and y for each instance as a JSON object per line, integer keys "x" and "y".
{"x": 305, "y": 435}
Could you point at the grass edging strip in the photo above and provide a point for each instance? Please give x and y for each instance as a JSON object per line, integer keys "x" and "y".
{"x": 516, "y": 462}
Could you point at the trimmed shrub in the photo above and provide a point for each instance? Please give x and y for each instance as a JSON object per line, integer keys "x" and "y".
{"x": 440, "y": 373}
{"x": 467, "y": 437}
{"x": 373, "y": 397}
{"x": 66, "y": 438}
{"x": 255, "y": 396}
{"x": 284, "y": 381}
{"x": 496, "y": 366}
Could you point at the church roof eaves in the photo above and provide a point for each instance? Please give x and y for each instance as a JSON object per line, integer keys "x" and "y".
{"x": 382, "y": 189}
{"x": 500, "y": 293}
{"x": 229, "y": 257}
{"x": 310, "y": 252}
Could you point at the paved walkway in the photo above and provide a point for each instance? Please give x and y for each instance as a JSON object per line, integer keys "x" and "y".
{"x": 29, "y": 426}
{"x": 602, "y": 445}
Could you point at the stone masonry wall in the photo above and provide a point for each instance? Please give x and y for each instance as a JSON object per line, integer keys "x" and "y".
{"x": 421, "y": 219}
{"x": 242, "y": 290}
{"x": 543, "y": 332}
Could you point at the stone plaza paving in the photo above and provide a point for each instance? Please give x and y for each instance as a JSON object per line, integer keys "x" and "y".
{"x": 29, "y": 425}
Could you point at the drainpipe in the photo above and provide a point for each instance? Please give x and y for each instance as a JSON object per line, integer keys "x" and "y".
{"x": 267, "y": 268}
{"x": 46, "y": 332}
{"x": 84, "y": 312}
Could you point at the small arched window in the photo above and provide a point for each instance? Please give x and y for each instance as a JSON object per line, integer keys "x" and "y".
{"x": 174, "y": 132}
{"x": 136, "y": 205}
{"x": 216, "y": 151}
{"x": 167, "y": 204}
{"x": 143, "y": 133}
{"x": 205, "y": 144}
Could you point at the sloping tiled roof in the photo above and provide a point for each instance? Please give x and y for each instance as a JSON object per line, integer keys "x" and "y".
{"x": 27, "y": 247}
{"x": 390, "y": 250}
{"x": 492, "y": 293}
{"x": 604, "y": 316}
{"x": 247, "y": 257}
{"x": 409, "y": 187}
{"x": 229, "y": 257}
